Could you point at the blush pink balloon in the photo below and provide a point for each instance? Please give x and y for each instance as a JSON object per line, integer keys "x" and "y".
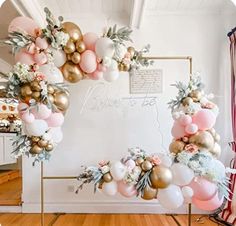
{"x": 24, "y": 58}
{"x": 41, "y": 43}
{"x": 177, "y": 130}
{"x": 191, "y": 128}
{"x": 41, "y": 111}
{"x": 90, "y": 40}
{"x": 40, "y": 58}
{"x": 203, "y": 189}
{"x": 204, "y": 119}
{"x": 126, "y": 190}
{"x": 96, "y": 75}
{"x": 185, "y": 120}
{"x": 31, "y": 48}
{"x": 22, "y": 108}
{"x": 22, "y": 23}
{"x": 27, "y": 117}
{"x": 55, "y": 120}
{"x": 101, "y": 68}
{"x": 88, "y": 62}
{"x": 209, "y": 205}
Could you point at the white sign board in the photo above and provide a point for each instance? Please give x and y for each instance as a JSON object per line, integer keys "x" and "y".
{"x": 146, "y": 81}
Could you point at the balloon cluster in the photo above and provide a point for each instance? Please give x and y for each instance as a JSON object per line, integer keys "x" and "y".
{"x": 195, "y": 147}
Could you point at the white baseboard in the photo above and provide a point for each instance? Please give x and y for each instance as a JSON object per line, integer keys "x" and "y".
{"x": 10, "y": 209}
{"x": 84, "y": 207}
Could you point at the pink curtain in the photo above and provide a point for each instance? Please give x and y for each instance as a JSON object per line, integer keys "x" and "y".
{"x": 229, "y": 212}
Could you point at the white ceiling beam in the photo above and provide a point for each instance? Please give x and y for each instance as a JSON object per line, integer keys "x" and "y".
{"x": 137, "y": 13}
{"x": 30, "y": 9}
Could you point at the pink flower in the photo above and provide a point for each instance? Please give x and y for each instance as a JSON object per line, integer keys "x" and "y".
{"x": 40, "y": 77}
{"x": 38, "y": 32}
{"x": 209, "y": 105}
{"x": 155, "y": 160}
{"x": 191, "y": 148}
{"x": 128, "y": 55}
{"x": 103, "y": 163}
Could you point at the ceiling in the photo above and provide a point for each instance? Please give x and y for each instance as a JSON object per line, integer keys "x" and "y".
{"x": 131, "y": 12}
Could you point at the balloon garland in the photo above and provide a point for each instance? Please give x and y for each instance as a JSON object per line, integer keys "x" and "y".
{"x": 45, "y": 57}
{"x": 189, "y": 174}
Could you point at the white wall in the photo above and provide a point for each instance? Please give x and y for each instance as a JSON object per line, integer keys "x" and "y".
{"x": 91, "y": 136}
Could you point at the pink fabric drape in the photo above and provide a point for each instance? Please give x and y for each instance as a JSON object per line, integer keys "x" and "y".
{"x": 229, "y": 212}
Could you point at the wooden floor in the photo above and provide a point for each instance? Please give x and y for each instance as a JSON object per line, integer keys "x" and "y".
{"x": 10, "y": 192}
{"x": 98, "y": 220}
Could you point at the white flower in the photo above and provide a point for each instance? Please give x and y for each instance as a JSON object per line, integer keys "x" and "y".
{"x": 61, "y": 39}
{"x": 23, "y": 72}
{"x": 184, "y": 157}
{"x": 105, "y": 169}
{"x": 44, "y": 90}
{"x": 120, "y": 51}
{"x": 106, "y": 61}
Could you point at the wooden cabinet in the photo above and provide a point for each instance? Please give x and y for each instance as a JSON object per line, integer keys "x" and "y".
{"x": 6, "y": 148}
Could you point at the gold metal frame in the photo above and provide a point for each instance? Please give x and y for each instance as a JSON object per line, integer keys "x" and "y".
{"x": 42, "y": 177}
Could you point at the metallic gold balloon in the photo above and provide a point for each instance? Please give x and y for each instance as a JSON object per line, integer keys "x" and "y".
{"x": 35, "y": 95}
{"x": 187, "y": 101}
{"x": 35, "y": 139}
{"x": 121, "y": 67}
{"x": 69, "y": 56}
{"x": 72, "y": 72}
{"x": 196, "y": 95}
{"x": 160, "y": 177}
{"x": 217, "y": 137}
{"x": 149, "y": 193}
{"x": 42, "y": 143}
{"x": 69, "y": 47}
{"x": 131, "y": 50}
{"x": 126, "y": 67}
{"x": 35, "y": 149}
{"x": 49, "y": 147}
{"x": 80, "y": 46}
{"x": 61, "y": 100}
{"x": 176, "y": 146}
{"x": 216, "y": 151}
{"x": 51, "y": 98}
{"x": 107, "y": 177}
{"x": 25, "y": 90}
{"x": 75, "y": 57}
{"x": 202, "y": 139}
{"x": 139, "y": 161}
{"x": 35, "y": 86}
{"x": 146, "y": 165}
{"x": 73, "y": 30}
{"x": 51, "y": 90}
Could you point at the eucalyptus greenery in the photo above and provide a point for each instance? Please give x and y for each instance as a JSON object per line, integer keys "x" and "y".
{"x": 143, "y": 182}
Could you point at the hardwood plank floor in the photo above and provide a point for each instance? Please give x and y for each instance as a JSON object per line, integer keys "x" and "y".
{"x": 10, "y": 192}
{"x": 98, "y": 220}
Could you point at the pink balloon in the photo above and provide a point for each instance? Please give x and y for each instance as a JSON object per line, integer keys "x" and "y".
{"x": 89, "y": 40}
{"x": 204, "y": 119}
{"x": 130, "y": 164}
{"x": 88, "y": 62}
{"x": 27, "y": 117}
{"x": 24, "y": 58}
{"x": 126, "y": 190}
{"x": 22, "y": 23}
{"x": 22, "y": 108}
{"x": 40, "y": 58}
{"x": 210, "y": 204}
{"x": 41, "y": 43}
{"x": 203, "y": 188}
{"x": 101, "y": 68}
{"x": 41, "y": 111}
{"x": 185, "y": 120}
{"x": 55, "y": 120}
{"x": 191, "y": 128}
{"x": 96, "y": 75}
{"x": 177, "y": 130}
{"x": 31, "y": 48}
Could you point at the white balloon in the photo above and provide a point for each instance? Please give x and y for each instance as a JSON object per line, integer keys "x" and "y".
{"x": 182, "y": 174}
{"x": 187, "y": 192}
{"x": 110, "y": 188}
{"x": 37, "y": 128}
{"x": 170, "y": 197}
{"x": 113, "y": 66}
{"x": 59, "y": 57}
{"x": 165, "y": 159}
{"x": 47, "y": 136}
{"x": 217, "y": 168}
{"x": 56, "y": 134}
{"x": 104, "y": 47}
{"x": 111, "y": 76}
{"x": 118, "y": 171}
{"x": 52, "y": 73}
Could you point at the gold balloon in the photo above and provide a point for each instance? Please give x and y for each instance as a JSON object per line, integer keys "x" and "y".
{"x": 25, "y": 90}
{"x": 69, "y": 47}
{"x": 160, "y": 177}
{"x": 61, "y": 100}
{"x": 126, "y": 67}
{"x": 146, "y": 165}
{"x": 80, "y": 46}
{"x": 131, "y": 50}
{"x": 149, "y": 193}
{"x": 212, "y": 131}
{"x": 202, "y": 139}
{"x": 139, "y": 161}
{"x": 187, "y": 101}
{"x": 35, "y": 149}
{"x": 217, "y": 137}
{"x": 176, "y": 146}
{"x": 216, "y": 151}
{"x": 49, "y": 147}
{"x": 69, "y": 56}
{"x": 43, "y": 143}
{"x": 107, "y": 177}
{"x": 35, "y": 139}
{"x": 51, "y": 90}
{"x": 73, "y": 30}
{"x": 51, "y": 98}
{"x": 35, "y": 95}
{"x": 196, "y": 95}
{"x": 121, "y": 67}
{"x": 75, "y": 57}
{"x": 35, "y": 86}
{"x": 72, "y": 72}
